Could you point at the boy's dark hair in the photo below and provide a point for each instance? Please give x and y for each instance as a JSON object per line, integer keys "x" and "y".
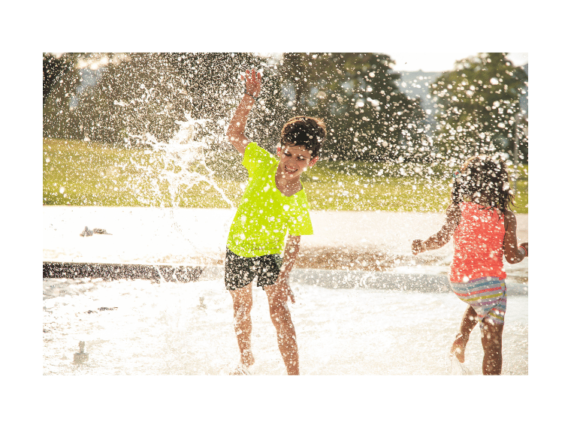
{"x": 483, "y": 176}
{"x": 304, "y": 131}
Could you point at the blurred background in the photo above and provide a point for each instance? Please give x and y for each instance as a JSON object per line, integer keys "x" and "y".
{"x": 398, "y": 124}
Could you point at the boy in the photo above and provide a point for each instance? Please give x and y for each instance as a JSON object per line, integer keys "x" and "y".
{"x": 273, "y": 205}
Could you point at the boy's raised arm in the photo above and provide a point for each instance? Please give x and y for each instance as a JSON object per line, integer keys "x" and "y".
{"x": 237, "y": 125}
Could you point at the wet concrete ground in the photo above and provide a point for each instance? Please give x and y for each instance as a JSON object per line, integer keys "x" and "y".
{"x": 346, "y": 240}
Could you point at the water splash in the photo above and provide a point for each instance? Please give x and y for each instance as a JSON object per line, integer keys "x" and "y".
{"x": 175, "y": 166}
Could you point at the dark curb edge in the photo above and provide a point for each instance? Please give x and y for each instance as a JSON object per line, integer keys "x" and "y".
{"x": 112, "y": 271}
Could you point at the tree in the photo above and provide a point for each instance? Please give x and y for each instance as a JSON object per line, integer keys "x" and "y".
{"x": 120, "y": 98}
{"x": 60, "y": 80}
{"x": 129, "y": 98}
{"x": 54, "y": 67}
{"x": 479, "y": 108}
{"x": 367, "y": 115}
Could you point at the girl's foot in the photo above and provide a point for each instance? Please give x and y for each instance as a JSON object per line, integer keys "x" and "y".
{"x": 458, "y": 348}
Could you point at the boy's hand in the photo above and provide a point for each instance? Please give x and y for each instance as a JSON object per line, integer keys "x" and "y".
{"x": 285, "y": 291}
{"x": 417, "y": 247}
{"x": 253, "y": 82}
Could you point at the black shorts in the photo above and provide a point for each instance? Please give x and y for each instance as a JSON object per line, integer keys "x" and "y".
{"x": 240, "y": 271}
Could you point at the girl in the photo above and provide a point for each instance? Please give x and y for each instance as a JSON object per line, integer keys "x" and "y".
{"x": 484, "y": 230}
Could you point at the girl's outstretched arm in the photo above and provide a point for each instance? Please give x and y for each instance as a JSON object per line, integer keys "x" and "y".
{"x": 237, "y": 125}
{"x": 440, "y": 239}
{"x": 512, "y": 252}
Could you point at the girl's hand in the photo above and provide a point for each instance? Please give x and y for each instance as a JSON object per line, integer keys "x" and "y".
{"x": 417, "y": 247}
{"x": 253, "y": 82}
{"x": 512, "y": 251}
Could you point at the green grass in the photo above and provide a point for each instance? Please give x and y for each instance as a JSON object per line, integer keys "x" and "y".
{"x": 95, "y": 174}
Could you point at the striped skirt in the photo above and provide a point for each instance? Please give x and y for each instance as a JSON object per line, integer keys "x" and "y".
{"x": 486, "y": 295}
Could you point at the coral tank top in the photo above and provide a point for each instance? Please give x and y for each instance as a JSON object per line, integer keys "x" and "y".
{"x": 478, "y": 244}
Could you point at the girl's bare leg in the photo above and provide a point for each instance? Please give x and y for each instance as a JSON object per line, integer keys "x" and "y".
{"x": 242, "y": 299}
{"x": 469, "y": 321}
{"x": 281, "y": 318}
{"x": 492, "y": 343}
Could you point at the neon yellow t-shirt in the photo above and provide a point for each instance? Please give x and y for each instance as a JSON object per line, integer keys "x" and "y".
{"x": 265, "y": 215}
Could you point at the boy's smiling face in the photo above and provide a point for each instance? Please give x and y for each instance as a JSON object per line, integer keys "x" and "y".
{"x": 294, "y": 160}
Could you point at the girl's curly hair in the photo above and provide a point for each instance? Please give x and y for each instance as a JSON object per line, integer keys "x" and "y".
{"x": 304, "y": 131}
{"x": 486, "y": 178}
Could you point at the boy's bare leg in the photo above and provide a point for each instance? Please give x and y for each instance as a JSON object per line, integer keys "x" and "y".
{"x": 492, "y": 343}
{"x": 469, "y": 321}
{"x": 281, "y": 318}
{"x": 242, "y": 298}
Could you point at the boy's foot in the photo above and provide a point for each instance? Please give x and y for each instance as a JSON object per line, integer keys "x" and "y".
{"x": 458, "y": 348}
{"x": 241, "y": 370}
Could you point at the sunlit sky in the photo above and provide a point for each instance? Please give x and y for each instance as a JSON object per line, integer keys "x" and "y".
{"x": 439, "y": 61}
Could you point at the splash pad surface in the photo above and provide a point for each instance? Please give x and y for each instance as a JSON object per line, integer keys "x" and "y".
{"x": 144, "y": 327}
{"x": 137, "y": 327}
{"x": 366, "y": 240}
